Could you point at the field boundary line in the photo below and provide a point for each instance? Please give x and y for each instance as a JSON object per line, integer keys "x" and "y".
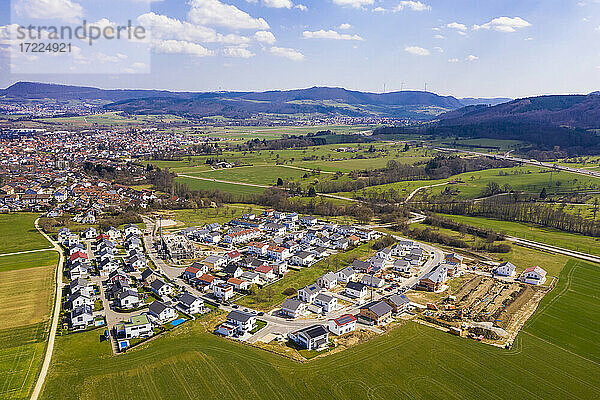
{"x": 26, "y": 252}
{"x": 562, "y": 348}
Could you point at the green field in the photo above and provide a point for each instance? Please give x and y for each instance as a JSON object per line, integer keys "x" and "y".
{"x": 18, "y": 233}
{"x": 471, "y": 185}
{"x": 26, "y": 294}
{"x": 260, "y": 175}
{"x": 555, "y": 356}
{"x": 21, "y": 352}
{"x": 197, "y": 184}
{"x": 28, "y": 260}
{"x": 541, "y": 234}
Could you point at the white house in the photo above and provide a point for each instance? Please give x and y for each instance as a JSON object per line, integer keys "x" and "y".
{"x": 309, "y": 293}
{"x": 238, "y": 284}
{"x": 534, "y": 276}
{"x": 258, "y": 248}
{"x": 89, "y": 233}
{"x": 191, "y": 304}
{"x": 278, "y": 253}
{"x": 243, "y": 321}
{"x": 138, "y": 326}
{"x": 161, "y": 311}
{"x": 223, "y": 291}
{"x": 128, "y": 298}
{"x": 82, "y": 317}
{"x": 113, "y": 233}
{"x": 327, "y": 280}
{"x": 131, "y": 229}
{"x": 356, "y": 290}
{"x": 79, "y": 299}
{"x": 505, "y": 269}
{"x": 310, "y": 338}
{"x": 345, "y": 275}
{"x": 326, "y": 302}
{"x": 266, "y": 272}
{"x": 293, "y": 308}
{"x": 303, "y": 258}
{"x": 161, "y": 288}
{"x": 344, "y": 324}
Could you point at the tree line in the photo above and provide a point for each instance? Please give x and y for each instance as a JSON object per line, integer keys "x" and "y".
{"x": 507, "y": 209}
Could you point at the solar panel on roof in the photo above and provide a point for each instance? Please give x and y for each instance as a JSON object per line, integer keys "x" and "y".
{"x": 345, "y": 319}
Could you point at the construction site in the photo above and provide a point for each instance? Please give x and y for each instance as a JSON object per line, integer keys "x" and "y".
{"x": 485, "y": 309}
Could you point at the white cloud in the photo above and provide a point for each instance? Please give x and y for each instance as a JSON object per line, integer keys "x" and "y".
{"x": 354, "y": 3}
{"x": 238, "y": 52}
{"x": 291, "y": 54}
{"x": 163, "y": 27}
{"x": 379, "y": 9}
{"x": 438, "y": 49}
{"x": 453, "y": 60}
{"x": 104, "y": 58}
{"x": 330, "y": 34}
{"x": 412, "y": 5}
{"x": 417, "y": 51}
{"x": 439, "y": 37}
{"x": 265, "y": 37}
{"x": 64, "y": 10}
{"x": 8, "y": 34}
{"x": 345, "y": 27}
{"x": 274, "y": 3}
{"x": 213, "y": 12}
{"x": 301, "y": 7}
{"x": 471, "y": 57}
{"x": 504, "y": 24}
{"x": 456, "y": 25}
{"x": 180, "y": 47}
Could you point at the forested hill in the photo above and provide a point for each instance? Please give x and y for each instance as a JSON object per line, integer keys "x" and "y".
{"x": 325, "y": 101}
{"x": 575, "y": 111}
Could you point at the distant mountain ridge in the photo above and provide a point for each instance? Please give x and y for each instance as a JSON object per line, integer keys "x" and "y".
{"x": 316, "y": 100}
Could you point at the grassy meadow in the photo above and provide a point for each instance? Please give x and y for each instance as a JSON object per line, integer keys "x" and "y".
{"x": 18, "y": 233}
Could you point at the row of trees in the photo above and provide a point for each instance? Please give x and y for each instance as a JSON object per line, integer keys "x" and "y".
{"x": 509, "y": 210}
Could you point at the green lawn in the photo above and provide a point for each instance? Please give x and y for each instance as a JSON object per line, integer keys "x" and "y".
{"x": 541, "y": 234}
{"x": 18, "y": 233}
{"x": 556, "y": 356}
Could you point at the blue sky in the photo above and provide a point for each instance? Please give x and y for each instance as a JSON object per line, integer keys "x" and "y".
{"x": 458, "y": 47}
